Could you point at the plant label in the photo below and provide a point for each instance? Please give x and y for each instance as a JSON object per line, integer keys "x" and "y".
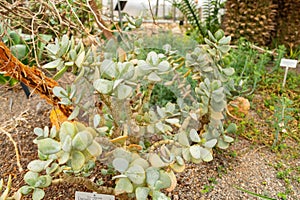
{"x": 92, "y": 196}
{"x": 288, "y": 63}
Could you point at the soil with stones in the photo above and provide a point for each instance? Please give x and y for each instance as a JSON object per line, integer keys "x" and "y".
{"x": 243, "y": 166}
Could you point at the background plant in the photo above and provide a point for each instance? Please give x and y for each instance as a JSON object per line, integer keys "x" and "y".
{"x": 282, "y": 117}
{"x": 212, "y": 14}
{"x": 250, "y": 66}
{"x": 189, "y": 9}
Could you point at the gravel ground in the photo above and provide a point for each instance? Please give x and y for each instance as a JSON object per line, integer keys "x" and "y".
{"x": 243, "y": 165}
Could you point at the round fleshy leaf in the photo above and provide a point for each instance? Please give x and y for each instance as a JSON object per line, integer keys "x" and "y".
{"x": 80, "y": 59}
{"x": 228, "y": 71}
{"x": 224, "y": 40}
{"x": 157, "y": 195}
{"x": 170, "y": 107}
{"x": 26, "y": 189}
{"x": 143, "y": 67}
{"x": 97, "y": 120}
{"x": 38, "y": 194}
{"x": 43, "y": 181}
{"x": 94, "y": 149}
{"x": 53, "y": 132}
{"x": 38, "y": 165}
{"x": 108, "y": 69}
{"x": 52, "y": 168}
{"x": 152, "y": 58}
{"x": 59, "y": 92}
{"x": 164, "y": 180}
{"x": 67, "y": 128}
{"x": 141, "y": 193}
{"x": 163, "y": 66}
{"x": 196, "y": 161}
{"x": 31, "y": 177}
{"x": 154, "y": 77}
{"x": 136, "y": 174}
{"x": 179, "y": 160}
{"x": 219, "y": 34}
{"x": 195, "y": 151}
{"x": 172, "y": 120}
{"x": 186, "y": 154}
{"x": 54, "y": 64}
{"x": 82, "y": 140}
{"x": 121, "y": 153}
{"x": 63, "y": 157}
{"x": 123, "y": 91}
{"x": 206, "y": 155}
{"x": 79, "y": 126}
{"x": 92, "y": 131}
{"x": 211, "y": 143}
{"x": 77, "y": 160}
{"x": 103, "y": 86}
{"x": 42, "y": 156}
{"x": 183, "y": 139}
{"x": 177, "y": 168}
{"x": 156, "y": 161}
{"x": 152, "y": 176}
{"x": 67, "y": 144}
{"x": 194, "y": 136}
{"x": 123, "y": 185}
{"x": 48, "y": 146}
{"x": 141, "y": 162}
{"x": 228, "y": 139}
{"x": 38, "y": 131}
{"x": 222, "y": 144}
{"x": 46, "y": 131}
{"x": 120, "y": 164}
{"x": 224, "y": 48}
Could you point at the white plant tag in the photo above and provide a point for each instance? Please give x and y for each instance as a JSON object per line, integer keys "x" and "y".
{"x": 288, "y": 63}
{"x": 92, "y": 196}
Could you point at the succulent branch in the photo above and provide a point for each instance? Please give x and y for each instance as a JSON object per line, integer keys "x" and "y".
{"x": 85, "y": 182}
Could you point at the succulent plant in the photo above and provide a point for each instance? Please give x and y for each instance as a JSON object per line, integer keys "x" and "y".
{"x": 139, "y": 176}
{"x": 73, "y": 148}
{"x": 186, "y": 130}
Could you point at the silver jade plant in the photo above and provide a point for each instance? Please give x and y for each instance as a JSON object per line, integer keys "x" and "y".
{"x": 144, "y": 144}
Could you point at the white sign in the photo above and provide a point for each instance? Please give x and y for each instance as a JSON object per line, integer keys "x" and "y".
{"x": 288, "y": 63}
{"x": 92, "y": 196}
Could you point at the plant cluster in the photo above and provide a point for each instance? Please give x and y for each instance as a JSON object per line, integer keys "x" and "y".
{"x": 250, "y": 66}
{"x": 145, "y": 144}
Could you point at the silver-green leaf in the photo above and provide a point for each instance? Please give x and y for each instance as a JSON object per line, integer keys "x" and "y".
{"x": 48, "y": 146}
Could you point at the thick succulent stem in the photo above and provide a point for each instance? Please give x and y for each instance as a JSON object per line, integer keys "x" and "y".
{"x": 162, "y": 142}
{"x": 86, "y": 182}
{"x": 147, "y": 96}
{"x": 107, "y": 102}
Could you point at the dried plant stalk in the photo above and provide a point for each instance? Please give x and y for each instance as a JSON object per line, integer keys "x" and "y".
{"x": 30, "y": 76}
